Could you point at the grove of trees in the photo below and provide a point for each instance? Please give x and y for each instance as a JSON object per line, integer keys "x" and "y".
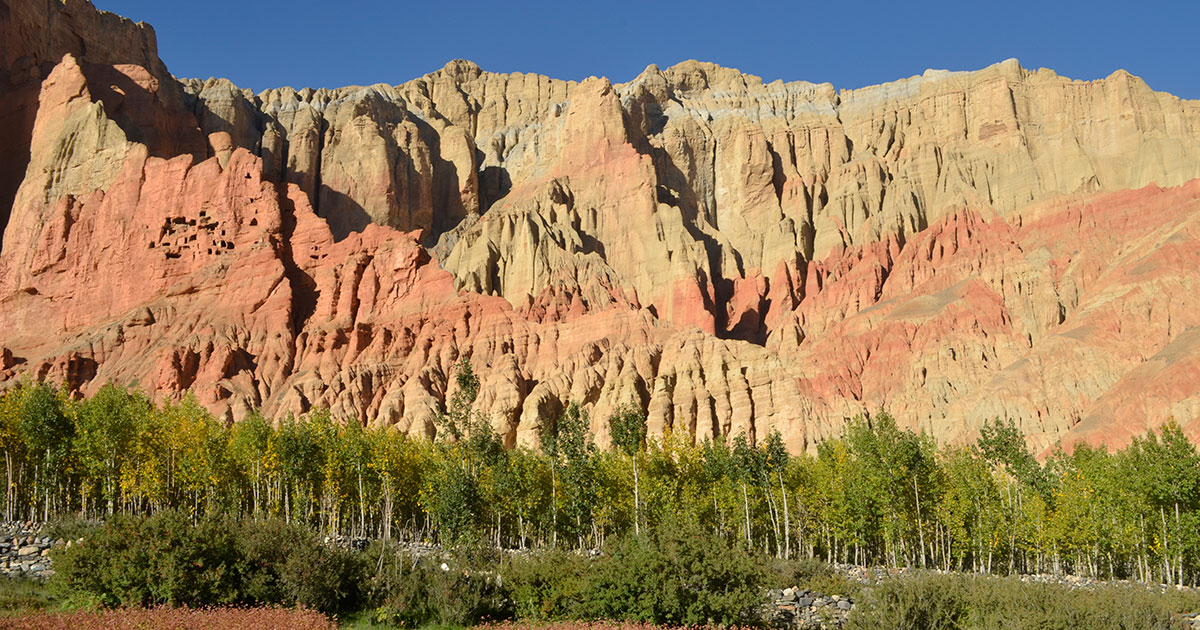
{"x": 878, "y": 495}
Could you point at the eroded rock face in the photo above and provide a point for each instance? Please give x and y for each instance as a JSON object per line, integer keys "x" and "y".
{"x": 34, "y": 36}
{"x": 732, "y": 256}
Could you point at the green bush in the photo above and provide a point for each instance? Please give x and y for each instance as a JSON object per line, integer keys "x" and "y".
{"x": 264, "y": 548}
{"x": 397, "y": 591}
{"x": 802, "y": 571}
{"x": 168, "y": 559}
{"x": 814, "y": 574}
{"x": 323, "y": 577}
{"x": 547, "y": 586}
{"x": 678, "y": 575}
{"x": 164, "y": 559}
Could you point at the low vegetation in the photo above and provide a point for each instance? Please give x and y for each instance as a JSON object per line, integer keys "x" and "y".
{"x": 674, "y": 575}
{"x": 23, "y": 596}
{"x": 969, "y": 602}
{"x": 167, "y": 560}
{"x": 218, "y": 572}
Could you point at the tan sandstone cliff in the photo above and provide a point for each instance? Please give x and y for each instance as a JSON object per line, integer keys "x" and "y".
{"x": 733, "y": 256}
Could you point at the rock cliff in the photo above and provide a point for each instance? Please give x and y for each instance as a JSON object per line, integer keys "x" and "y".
{"x": 733, "y": 256}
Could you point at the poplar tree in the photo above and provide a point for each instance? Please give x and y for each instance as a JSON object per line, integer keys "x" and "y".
{"x": 628, "y": 429}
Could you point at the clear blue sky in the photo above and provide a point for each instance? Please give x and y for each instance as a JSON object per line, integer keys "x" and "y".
{"x": 262, "y": 43}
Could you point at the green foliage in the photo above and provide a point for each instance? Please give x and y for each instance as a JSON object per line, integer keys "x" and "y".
{"x": 323, "y": 577}
{"x": 71, "y": 526}
{"x": 456, "y": 420}
{"x": 106, "y": 427}
{"x": 628, "y": 428}
{"x": 454, "y": 502}
{"x": 678, "y": 575}
{"x": 881, "y": 494}
{"x": 1003, "y": 446}
{"x": 814, "y": 574}
{"x": 264, "y": 548}
{"x": 547, "y": 586}
{"x": 166, "y": 559}
{"x": 566, "y": 441}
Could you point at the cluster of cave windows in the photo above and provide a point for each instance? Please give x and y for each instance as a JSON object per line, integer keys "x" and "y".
{"x": 200, "y": 235}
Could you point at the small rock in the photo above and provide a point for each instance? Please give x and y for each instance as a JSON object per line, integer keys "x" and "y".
{"x": 844, "y": 605}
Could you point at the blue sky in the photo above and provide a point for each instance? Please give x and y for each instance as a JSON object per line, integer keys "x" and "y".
{"x": 260, "y": 43}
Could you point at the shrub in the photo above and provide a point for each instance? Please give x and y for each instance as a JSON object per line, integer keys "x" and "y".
{"x": 678, "y": 575}
{"x": 264, "y": 548}
{"x": 163, "y": 559}
{"x": 814, "y": 574}
{"x": 547, "y": 586}
{"x": 168, "y": 559}
{"x": 323, "y": 577}
{"x": 398, "y": 592}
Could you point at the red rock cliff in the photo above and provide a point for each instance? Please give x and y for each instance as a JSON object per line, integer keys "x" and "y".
{"x": 731, "y": 255}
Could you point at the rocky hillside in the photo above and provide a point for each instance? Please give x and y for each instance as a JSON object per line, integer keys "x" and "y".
{"x": 731, "y": 255}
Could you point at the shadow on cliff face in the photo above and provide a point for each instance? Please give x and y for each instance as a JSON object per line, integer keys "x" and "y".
{"x": 18, "y": 109}
{"x": 155, "y": 118}
{"x": 35, "y": 37}
{"x": 644, "y": 119}
{"x": 343, "y": 214}
{"x": 676, "y": 190}
{"x": 304, "y": 287}
{"x": 494, "y": 184}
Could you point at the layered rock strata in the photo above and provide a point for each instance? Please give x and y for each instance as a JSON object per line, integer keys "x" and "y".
{"x": 733, "y": 256}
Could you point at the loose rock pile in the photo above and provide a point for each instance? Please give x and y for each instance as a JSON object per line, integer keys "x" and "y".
{"x": 354, "y": 543}
{"x": 797, "y": 607}
{"x": 25, "y": 551}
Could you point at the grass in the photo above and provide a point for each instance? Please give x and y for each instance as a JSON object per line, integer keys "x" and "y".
{"x": 967, "y": 602}
{"x": 22, "y": 597}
